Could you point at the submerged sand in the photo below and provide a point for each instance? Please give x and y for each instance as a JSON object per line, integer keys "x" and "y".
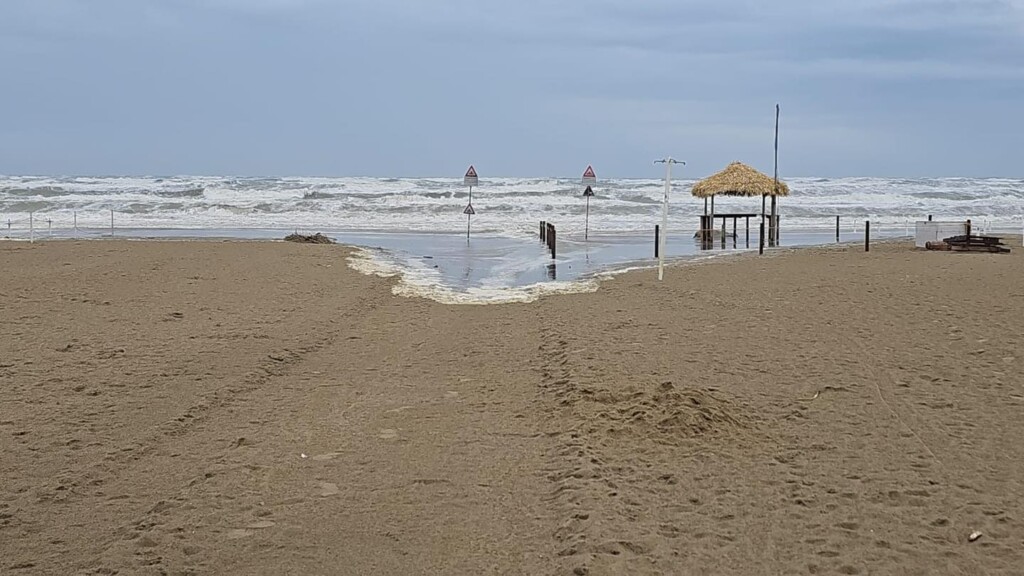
{"x": 261, "y": 408}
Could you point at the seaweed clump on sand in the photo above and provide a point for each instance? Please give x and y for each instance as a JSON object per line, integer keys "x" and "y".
{"x": 317, "y": 238}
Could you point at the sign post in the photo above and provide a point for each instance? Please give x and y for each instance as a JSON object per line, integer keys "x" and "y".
{"x": 668, "y": 162}
{"x": 470, "y": 179}
{"x": 589, "y": 180}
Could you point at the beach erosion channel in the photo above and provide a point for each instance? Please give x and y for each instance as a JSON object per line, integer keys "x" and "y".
{"x": 494, "y": 268}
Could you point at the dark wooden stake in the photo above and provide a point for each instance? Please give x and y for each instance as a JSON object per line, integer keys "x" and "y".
{"x": 657, "y": 238}
{"x": 552, "y": 240}
{"x": 748, "y": 231}
{"x": 867, "y": 236}
{"x": 837, "y": 228}
{"x": 543, "y": 229}
{"x": 774, "y": 222}
{"x": 760, "y": 248}
{"x": 929, "y": 217}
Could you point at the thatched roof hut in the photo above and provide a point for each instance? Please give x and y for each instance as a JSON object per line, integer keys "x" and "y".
{"x": 738, "y": 179}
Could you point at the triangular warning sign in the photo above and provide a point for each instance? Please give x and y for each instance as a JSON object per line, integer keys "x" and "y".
{"x": 589, "y": 191}
{"x": 469, "y": 210}
{"x": 470, "y": 179}
{"x": 588, "y": 176}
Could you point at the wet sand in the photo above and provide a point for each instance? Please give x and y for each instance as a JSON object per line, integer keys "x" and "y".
{"x": 261, "y": 408}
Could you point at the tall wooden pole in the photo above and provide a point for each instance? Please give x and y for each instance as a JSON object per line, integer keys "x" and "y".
{"x": 773, "y": 223}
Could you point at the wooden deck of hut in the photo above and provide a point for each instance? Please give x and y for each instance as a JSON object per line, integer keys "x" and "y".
{"x": 737, "y": 179}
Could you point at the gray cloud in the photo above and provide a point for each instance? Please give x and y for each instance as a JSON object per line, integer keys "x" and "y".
{"x": 532, "y": 87}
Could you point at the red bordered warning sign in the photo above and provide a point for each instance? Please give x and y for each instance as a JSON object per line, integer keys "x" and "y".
{"x": 588, "y": 176}
{"x": 470, "y": 179}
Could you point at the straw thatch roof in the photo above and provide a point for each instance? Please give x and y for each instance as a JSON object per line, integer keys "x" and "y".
{"x": 738, "y": 179}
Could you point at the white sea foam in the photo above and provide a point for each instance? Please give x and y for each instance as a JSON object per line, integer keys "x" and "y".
{"x": 416, "y": 282}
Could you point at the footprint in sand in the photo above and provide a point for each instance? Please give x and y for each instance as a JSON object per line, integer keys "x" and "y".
{"x": 328, "y": 489}
{"x": 260, "y": 525}
{"x": 238, "y": 533}
{"x": 451, "y": 394}
{"x": 388, "y": 434}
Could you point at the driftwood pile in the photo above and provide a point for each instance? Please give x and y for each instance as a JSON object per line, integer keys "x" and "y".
{"x": 317, "y": 238}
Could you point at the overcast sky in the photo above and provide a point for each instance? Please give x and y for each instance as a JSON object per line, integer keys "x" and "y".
{"x": 517, "y": 87}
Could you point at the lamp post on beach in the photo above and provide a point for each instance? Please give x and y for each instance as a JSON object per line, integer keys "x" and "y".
{"x": 668, "y": 162}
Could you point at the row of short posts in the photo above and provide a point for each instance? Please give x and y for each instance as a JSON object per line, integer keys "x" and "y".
{"x": 49, "y": 225}
{"x": 548, "y": 236}
{"x": 867, "y": 232}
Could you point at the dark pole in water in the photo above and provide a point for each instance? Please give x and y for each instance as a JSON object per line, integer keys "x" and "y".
{"x": 552, "y": 239}
{"x": 586, "y": 225}
{"x": 657, "y": 237}
{"x": 867, "y": 235}
{"x": 837, "y": 228}
{"x": 929, "y": 217}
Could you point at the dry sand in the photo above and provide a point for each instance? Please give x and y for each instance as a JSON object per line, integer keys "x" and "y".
{"x": 260, "y": 408}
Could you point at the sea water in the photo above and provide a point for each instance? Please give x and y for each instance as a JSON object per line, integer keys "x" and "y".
{"x": 415, "y": 227}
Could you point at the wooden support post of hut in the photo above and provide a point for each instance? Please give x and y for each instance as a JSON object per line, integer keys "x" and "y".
{"x": 738, "y": 179}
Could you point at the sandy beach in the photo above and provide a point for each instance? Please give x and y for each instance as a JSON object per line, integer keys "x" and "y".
{"x": 188, "y": 407}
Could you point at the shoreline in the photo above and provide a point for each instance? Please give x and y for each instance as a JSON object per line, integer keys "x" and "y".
{"x": 491, "y": 270}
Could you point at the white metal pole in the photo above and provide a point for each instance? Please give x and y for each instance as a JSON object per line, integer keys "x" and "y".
{"x": 664, "y": 219}
{"x": 469, "y": 216}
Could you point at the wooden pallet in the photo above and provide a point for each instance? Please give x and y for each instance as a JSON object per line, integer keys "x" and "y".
{"x": 972, "y": 243}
